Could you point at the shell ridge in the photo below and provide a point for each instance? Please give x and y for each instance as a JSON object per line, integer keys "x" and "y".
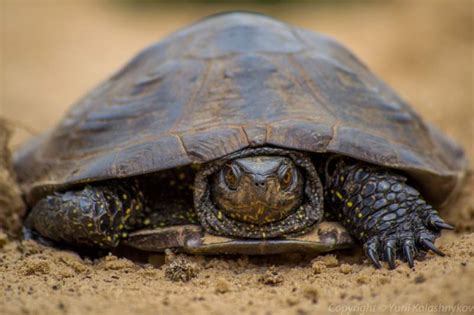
{"x": 196, "y": 90}
{"x": 181, "y": 143}
{"x": 310, "y": 85}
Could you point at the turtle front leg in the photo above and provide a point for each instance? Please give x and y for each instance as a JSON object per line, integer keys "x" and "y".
{"x": 382, "y": 211}
{"x": 94, "y": 216}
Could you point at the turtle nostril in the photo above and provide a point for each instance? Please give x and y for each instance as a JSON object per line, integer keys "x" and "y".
{"x": 260, "y": 183}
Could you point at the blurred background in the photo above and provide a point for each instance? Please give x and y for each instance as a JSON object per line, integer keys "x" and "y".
{"x": 53, "y": 51}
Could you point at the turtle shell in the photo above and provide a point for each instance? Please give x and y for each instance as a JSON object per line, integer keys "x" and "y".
{"x": 234, "y": 81}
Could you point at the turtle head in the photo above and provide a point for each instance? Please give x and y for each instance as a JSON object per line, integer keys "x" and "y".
{"x": 259, "y": 193}
{"x": 258, "y": 189}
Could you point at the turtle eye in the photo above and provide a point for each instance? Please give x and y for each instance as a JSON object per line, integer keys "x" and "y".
{"x": 286, "y": 178}
{"x": 231, "y": 177}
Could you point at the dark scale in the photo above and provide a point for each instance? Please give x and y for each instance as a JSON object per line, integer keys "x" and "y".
{"x": 381, "y": 210}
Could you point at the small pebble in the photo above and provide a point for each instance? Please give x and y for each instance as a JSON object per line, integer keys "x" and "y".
{"x": 318, "y": 268}
{"x": 271, "y": 277}
{"x": 420, "y": 278}
{"x": 222, "y": 286}
{"x": 346, "y": 268}
{"x": 327, "y": 260}
{"x": 181, "y": 269}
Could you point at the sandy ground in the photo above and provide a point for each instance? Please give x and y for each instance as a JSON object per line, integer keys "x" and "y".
{"x": 53, "y": 52}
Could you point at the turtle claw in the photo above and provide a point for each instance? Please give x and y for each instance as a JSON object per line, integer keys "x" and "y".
{"x": 444, "y": 225}
{"x": 409, "y": 252}
{"x": 436, "y": 222}
{"x": 406, "y": 246}
{"x": 371, "y": 252}
{"x": 390, "y": 254}
{"x": 429, "y": 245}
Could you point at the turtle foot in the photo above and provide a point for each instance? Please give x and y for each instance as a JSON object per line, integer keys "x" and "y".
{"x": 402, "y": 243}
{"x": 94, "y": 216}
{"x": 383, "y": 211}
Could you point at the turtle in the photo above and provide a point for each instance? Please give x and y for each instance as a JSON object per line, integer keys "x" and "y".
{"x": 242, "y": 134}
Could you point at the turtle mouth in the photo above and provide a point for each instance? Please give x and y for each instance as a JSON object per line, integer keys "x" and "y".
{"x": 258, "y": 213}
{"x": 299, "y": 221}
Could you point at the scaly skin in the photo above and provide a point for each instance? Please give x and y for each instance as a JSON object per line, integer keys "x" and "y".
{"x": 381, "y": 210}
{"x": 94, "y": 215}
{"x": 102, "y": 215}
